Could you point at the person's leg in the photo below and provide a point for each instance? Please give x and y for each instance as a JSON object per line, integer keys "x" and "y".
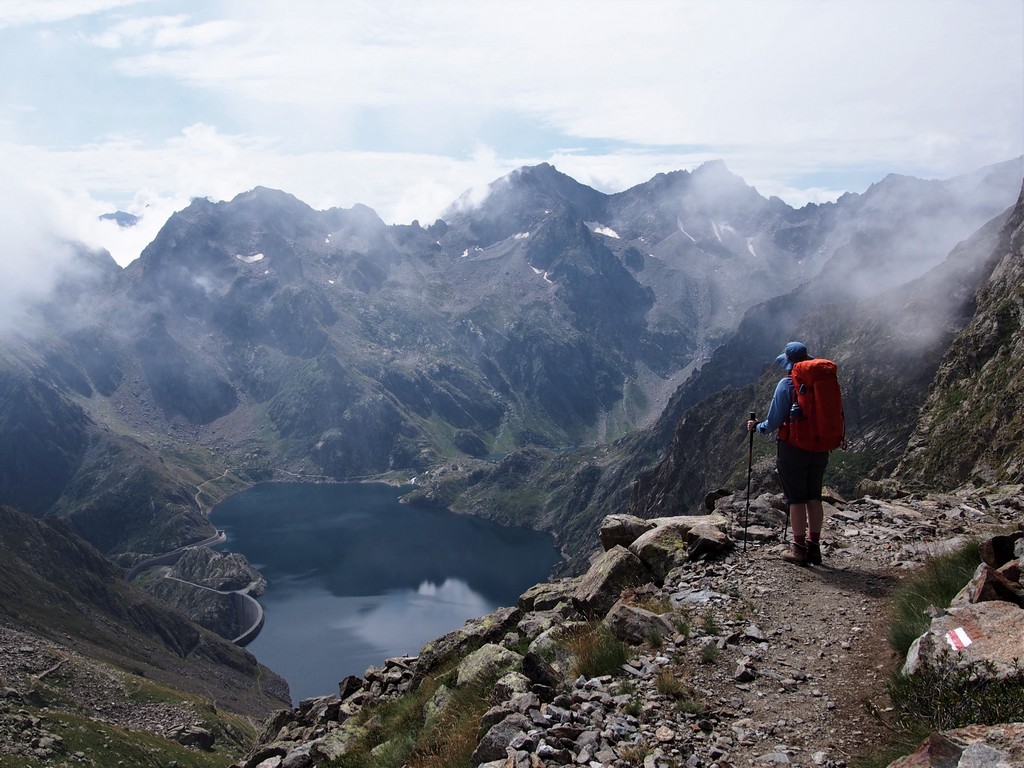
{"x": 793, "y": 476}
{"x": 798, "y": 521}
{"x": 815, "y": 511}
{"x": 815, "y": 517}
{"x": 798, "y": 553}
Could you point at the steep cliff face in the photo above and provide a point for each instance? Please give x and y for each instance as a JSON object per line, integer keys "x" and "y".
{"x": 888, "y": 349}
{"x": 972, "y": 425}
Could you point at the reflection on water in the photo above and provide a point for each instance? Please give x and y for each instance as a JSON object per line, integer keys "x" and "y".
{"x": 355, "y": 577}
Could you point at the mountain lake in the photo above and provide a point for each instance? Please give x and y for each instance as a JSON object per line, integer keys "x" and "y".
{"x": 355, "y": 577}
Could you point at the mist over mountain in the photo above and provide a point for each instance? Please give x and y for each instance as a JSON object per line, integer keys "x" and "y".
{"x": 543, "y": 356}
{"x": 888, "y": 338}
{"x": 259, "y": 335}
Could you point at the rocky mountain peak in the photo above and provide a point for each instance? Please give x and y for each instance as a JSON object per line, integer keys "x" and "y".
{"x": 515, "y": 203}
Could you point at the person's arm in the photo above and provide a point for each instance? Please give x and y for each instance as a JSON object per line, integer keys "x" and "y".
{"x": 778, "y": 411}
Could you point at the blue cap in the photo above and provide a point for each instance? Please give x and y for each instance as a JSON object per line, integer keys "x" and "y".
{"x": 794, "y": 352}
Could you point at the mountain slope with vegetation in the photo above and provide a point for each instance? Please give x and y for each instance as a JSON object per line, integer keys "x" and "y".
{"x": 259, "y": 335}
{"x": 677, "y": 647}
{"x": 888, "y": 345}
{"x": 105, "y": 669}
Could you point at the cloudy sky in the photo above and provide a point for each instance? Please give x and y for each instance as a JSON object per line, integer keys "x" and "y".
{"x": 140, "y": 105}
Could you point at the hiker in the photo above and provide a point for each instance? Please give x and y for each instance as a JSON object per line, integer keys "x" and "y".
{"x": 802, "y": 470}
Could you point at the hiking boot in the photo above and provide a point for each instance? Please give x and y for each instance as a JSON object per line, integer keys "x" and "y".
{"x": 814, "y": 553}
{"x": 796, "y": 555}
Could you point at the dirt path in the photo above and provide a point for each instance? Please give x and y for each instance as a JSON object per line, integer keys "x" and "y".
{"x": 812, "y": 643}
{"x": 802, "y": 650}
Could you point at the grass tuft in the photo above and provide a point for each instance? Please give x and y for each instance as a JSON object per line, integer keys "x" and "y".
{"x": 396, "y": 733}
{"x": 709, "y": 623}
{"x": 597, "y": 652}
{"x": 935, "y": 584}
{"x": 667, "y": 684}
{"x": 709, "y": 654}
{"x": 943, "y": 695}
{"x": 947, "y": 695}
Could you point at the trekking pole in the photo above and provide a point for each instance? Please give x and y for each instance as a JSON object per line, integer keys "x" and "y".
{"x": 750, "y": 469}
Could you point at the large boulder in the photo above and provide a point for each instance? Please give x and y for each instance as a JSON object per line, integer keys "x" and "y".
{"x": 192, "y": 736}
{"x": 973, "y": 633}
{"x": 999, "y": 550}
{"x": 975, "y": 745}
{"x": 474, "y": 633}
{"x": 602, "y": 585}
{"x": 989, "y": 584}
{"x": 539, "y": 672}
{"x": 548, "y": 595}
{"x": 495, "y": 742}
{"x": 622, "y": 530}
{"x": 488, "y": 661}
{"x": 667, "y": 545}
{"x": 634, "y": 624}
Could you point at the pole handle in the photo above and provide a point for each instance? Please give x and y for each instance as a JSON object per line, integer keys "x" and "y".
{"x": 753, "y": 416}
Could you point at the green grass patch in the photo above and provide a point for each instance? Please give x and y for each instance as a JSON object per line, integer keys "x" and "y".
{"x": 709, "y": 654}
{"x": 935, "y": 584}
{"x": 667, "y": 684}
{"x": 634, "y": 754}
{"x": 398, "y": 733}
{"x": 709, "y": 623}
{"x": 943, "y": 695}
{"x": 107, "y": 745}
{"x": 596, "y": 651}
{"x": 946, "y": 695}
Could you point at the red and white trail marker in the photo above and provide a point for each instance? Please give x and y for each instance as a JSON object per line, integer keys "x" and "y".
{"x": 958, "y": 639}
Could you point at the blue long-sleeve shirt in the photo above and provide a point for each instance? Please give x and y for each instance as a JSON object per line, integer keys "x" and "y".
{"x": 778, "y": 411}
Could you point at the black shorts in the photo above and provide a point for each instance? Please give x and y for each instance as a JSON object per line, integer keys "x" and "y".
{"x": 801, "y": 473}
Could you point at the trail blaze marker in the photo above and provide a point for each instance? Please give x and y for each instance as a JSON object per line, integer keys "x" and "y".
{"x": 958, "y": 639}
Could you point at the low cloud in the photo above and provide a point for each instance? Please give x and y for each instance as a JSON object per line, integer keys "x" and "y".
{"x": 33, "y": 254}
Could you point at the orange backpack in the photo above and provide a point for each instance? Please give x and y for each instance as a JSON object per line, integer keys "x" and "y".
{"x": 816, "y": 421}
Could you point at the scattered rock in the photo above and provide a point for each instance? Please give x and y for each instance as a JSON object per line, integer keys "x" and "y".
{"x": 761, "y": 664}
{"x": 600, "y": 588}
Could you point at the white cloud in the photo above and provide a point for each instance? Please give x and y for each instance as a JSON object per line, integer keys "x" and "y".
{"x": 405, "y": 105}
{"x": 18, "y": 12}
{"x": 34, "y": 250}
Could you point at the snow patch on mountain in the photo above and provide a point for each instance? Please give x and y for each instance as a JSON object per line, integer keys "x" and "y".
{"x": 720, "y": 228}
{"x": 542, "y": 272}
{"x": 249, "y": 259}
{"x": 600, "y": 229}
{"x": 679, "y": 223}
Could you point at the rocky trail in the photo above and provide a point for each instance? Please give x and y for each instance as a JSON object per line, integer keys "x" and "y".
{"x": 764, "y": 663}
{"x": 799, "y": 652}
{"x": 801, "y": 658}
{"x": 739, "y": 659}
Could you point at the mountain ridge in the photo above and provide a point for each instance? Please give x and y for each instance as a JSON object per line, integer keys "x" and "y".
{"x": 265, "y": 336}
{"x": 259, "y": 333}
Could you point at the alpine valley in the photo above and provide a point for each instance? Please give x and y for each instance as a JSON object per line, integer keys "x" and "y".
{"x": 547, "y": 356}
